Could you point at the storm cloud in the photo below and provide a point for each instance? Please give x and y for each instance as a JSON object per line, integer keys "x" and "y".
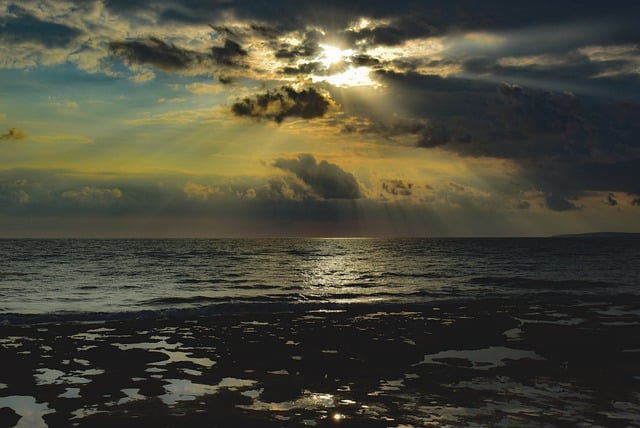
{"x": 279, "y": 104}
{"x": 565, "y": 144}
{"x": 326, "y": 179}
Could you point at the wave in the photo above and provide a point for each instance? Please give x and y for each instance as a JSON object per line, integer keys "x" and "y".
{"x": 521, "y": 283}
{"x": 218, "y": 309}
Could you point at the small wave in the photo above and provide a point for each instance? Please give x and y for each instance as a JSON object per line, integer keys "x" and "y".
{"x": 161, "y": 301}
{"x": 255, "y": 287}
{"x": 198, "y": 281}
{"x": 13, "y": 273}
{"x": 245, "y": 307}
{"x": 548, "y": 284}
{"x": 436, "y": 274}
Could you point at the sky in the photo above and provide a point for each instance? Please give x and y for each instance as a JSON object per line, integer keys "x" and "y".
{"x": 225, "y": 118}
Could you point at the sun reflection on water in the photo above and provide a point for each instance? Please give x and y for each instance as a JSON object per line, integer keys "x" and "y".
{"x": 339, "y": 272}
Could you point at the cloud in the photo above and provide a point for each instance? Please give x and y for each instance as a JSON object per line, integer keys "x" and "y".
{"x": 285, "y": 102}
{"x": 271, "y": 205}
{"x": 564, "y": 144}
{"x": 229, "y": 55}
{"x": 93, "y": 195}
{"x": 327, "y": 180}
{"x": 278, "y": 189}
{"x": 200, "y": 191}
{"x": 13, "y": 134}
{"x": 309, "y": 47}
{"x": 397, "y": 187}
{"x": 154, "y": 51}
{"x": 204, "y": 88}
{"x": 304, "y": 68}
{"x": 22, "y": 27}
{"x": 559, "y": 202}
{"x": 169, "y": 57}
{"x": 388, "y": 21}
{"x": 611, "y": 200}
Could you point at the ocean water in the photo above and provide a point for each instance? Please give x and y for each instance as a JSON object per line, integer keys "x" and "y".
{"x": 85, "y": 278}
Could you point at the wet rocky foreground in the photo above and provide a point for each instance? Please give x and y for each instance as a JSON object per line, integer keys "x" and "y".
{"x": 547, "y": 360}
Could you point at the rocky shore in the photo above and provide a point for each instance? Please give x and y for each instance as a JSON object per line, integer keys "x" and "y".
{"x": 552, "y": 360}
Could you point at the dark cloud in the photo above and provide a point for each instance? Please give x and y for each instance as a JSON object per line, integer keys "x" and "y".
{"x": 402, "y": 28}
{"x": 512, "y": 121}
{"x": 154, "y": 51}
{"x": 169, "y": 57}
{"x": 230, "y": 54}
{"x": 403, "y": 20}
{"x": 266, "y": 31}
{"x": 384, "y": 35}
{"x": 13, "y": 134}
{"x": 223, "y": 30}
{"x": 281, "y": 189}
{"x": 559, "y": 202}
{"x": 611, "y": 200}
{"x": 327, "y": 180}
{"x": 24, "y": 27}
{"x": 127, "y": 5}
{"x": 285, "y": 102}
{"x": 434, "y": 83}
{"x": 176, "y": 14}
{"x": 397, "y": 187}
{"x": 387, "y": 128}
{"x": 566, "y": 70}
{"x": 565, "y": 144}
{"x": 558, "y": 28}
{"x": 310, "y": 47}
{"x": 523, "y": 205}
{"x": 622, "y": 175}
{"x": 304, "y": 68}
{"x": 364, "y": 60}
{"x": 433, "y": 135}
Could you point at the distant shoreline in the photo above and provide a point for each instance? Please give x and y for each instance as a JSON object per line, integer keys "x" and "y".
{"x": 599, "y": 235}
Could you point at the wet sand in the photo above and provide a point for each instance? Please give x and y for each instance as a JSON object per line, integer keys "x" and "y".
{"x": 548, "y": 360}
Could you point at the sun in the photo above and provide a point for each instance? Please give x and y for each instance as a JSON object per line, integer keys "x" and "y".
{"x": 332, "y": 55}
{"x": 345, "y": 75}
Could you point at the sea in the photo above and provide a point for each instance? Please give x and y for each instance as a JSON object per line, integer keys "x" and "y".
{"x": 403, "y": 333}
{"x": 86, "y": 279}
